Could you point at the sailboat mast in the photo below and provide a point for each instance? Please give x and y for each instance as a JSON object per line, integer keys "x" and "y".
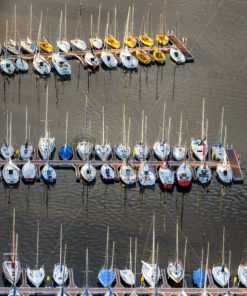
{"x": 30, "y": 34}
{"x": 66, "y": 131}
{"x": 202, "y": 260}
{"x": 206, "y": 274}
{"x": 164, "y": 121}
{"x": 124, "y": 131}
{"x": 103, "y": 112}
{"x": 203, "y": 106}
{"x": 130, "y": 255}
{"x": 180, "y": 129}
{"x": 225, "y": 138}
{"x": 65, "y": 23}
{"x": 177, "y": 242}
{"x": 10, "y": 134}
{"x": 91, "y": 26}
{"x": 98, "y": 21}
{"x": 61, "y": 233}
{"x": 223, "y": 247}
{"x": 145, "y": 132}
{"x": 185, "y": 251}
{"x": 153, "y": 249}
{"x": 229, "y": 265}
{"x": 142, "y": 126}
{"x": 7, "y": 23}
{"x": 132, "y": 22}
{"x": 7, "y": 140}
{"x": 221, "y": 128}
{"x": 135, "y": 256}
{"x": 128, "y": 139}
{"x": 107, "y": 247}
{"x": 86, "y": 267}
{"x": 37, "y": 248}
{"x": 169, "y": 130}
{"x": 164, "y": 18}
{"x": 26, "y": 125}
{"x": 15, "y": 23}
{"x": 112, "y": 258}
{"x": 46, "y": 113}
{"x": 115, "y": 22}
{"x": 13, "y": 237}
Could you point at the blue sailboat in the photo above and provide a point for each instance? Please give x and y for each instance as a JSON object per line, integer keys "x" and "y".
{"x": 66, "y": 152}
{"x": 107, "y": 276}
{"x": 199, "y": 276}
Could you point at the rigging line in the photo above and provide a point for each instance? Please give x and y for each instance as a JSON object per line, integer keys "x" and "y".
{"x": 145, "y": 246}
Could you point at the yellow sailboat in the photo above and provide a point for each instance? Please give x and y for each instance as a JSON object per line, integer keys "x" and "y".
{"x": 145, "y": 38}
{"x": 112, "y": 41}
{"x": 45, "y": 46}
{"x": 129, "y": 40}
{"x": 161, "y": 38}
{"x": 159, "y": 56}
{"x": 143, "y": 57}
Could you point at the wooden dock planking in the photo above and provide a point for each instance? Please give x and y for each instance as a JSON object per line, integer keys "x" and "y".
{"x": 188, "y": 56}
{"x": 236, "y": 170}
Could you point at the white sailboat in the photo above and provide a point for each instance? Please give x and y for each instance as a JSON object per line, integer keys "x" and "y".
{"x": 146, "y": 174}
{"x": 7, "y": 150}
{"x": 127, "y": 274}
{"x": 127, "y": 174}
{"x": 62, "y": 42}
{"x": 166, "y": 176}
{"x": 60, "y": 271}
{"x": 107, "y": 173}
{"x": 26, "y": 150}
{"x": 48, "y": 173}
{"x": 151, "y": 271}
{"x": 242, "y": 274}
{"x": 96, "y": 42}
{"x": 6, "y": 65}
{"x": 141, "y": 150}
{"x": 128, "y": 60}
{"x": 179, "y": 150}
{"x": 103, "y": 150}
{"x": 88, "y": 172}
{"x": 11, "y": 45}
{"x": 122, "y": 150}
{"x": 183, "y": 293}
{"x": 61, "y": 65}
{"x": 46, "y": 144}
{"x": 36, "y": 276}
{"x": 21, "y": 65}
{"x": 224, "y": 170}
{"x": 78, "y": 43}
{"x": 162, "y": 149}
{"x": 221, "y": 274}
{"x": 10, "y": 173}
{"x": 29, "y": 171}
{"x": 200, "y": 147}
{"x": 28, "y": 46}
{"x": 175, "y": 270}
{"x": 11, "y": 264}
{"x": 218, "y": 151}
{"x": 177, "y": 56}
{"x": 40, "y": 64}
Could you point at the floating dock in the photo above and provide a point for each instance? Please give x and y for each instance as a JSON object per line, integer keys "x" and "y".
{"x": 174, "y": 42}
{"x": 76, "y": 163}
{"x": 165, "y": 290}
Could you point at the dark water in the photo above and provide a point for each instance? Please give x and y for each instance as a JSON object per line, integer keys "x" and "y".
{"x": 216, "y": 36}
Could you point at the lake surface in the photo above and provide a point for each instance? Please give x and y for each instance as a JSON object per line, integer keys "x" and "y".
{"x": 216, "y": 33}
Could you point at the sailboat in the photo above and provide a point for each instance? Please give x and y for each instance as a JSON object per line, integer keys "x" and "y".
{"x": 86, "y": 293}
{"x": 199, "y": 146}
{"x": 175, "y": 270}
{"x": 162, "y": 149}
{"x": 199, "y": 274}
{"x": 26, "y": 150}
{"x": 129, "y": 38}
{"x": 141, "y": 150}
{"x": 242, "y": 274}
{"x": 161, "y": 38}
{"x": 85, "y": 148}
{"x": 107, "y": 172}
{"x": 184, "y": 175}
{"x": 21, "y": 65}
{"x": 183, "y": 293}
{"x": 177, "y": 56}
{"x": 203, "y": 172}
{"x": 48, "y": 173}
{"x": 159, "y": 56}
{"x": 36, "y": 276}
{"x": 145, "y": 38}
{"x": 7, "y": 150}
{"x": 96, "y": 42}
{"x": 11, "y": 45}
{"x": 10, "y": 173}
{"x": 224, "y": 170}
{"x": 88, "y": 172}
{"x": 103, "y": 150}
{"x": 218, "y": 151}
{"x": 29, "y": 172}
{"x": 78, "y": 43}
{"x": 60, "y": 64}
{"x": 151, "y": 271}
{"x": 107, "y": 58}
{"x": 45, "y": 45}
{"x": 127, "y": 274}
{"x": 111, "y": 40}
{"x": 46, "y": 144}
{"x": 11, "y": 264}
{"x": 60, "y": 271}
{"x": 107, "y": 276}
{"x": 166, "y": 176}
{"x": 66, "y": 152}
{"x": 127, "y": 174}
{"x": 128, "y": 60}
{"x": 146, "y": 174}
{"x": 40, "y": 64}
{"x": 62, "y": 42}
{"x": 221, "y": 274}
{"x": 143, "y": 57}
{"x": 179, "y": 150}
{"x": 28, "y": 46}
{"x": 6, "y": 65}
{"x": 122, "y": 150}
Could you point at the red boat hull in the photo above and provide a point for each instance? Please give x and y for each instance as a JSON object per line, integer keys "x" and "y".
{"x": 184, "y": 183}
{"x": 166, "y": 186}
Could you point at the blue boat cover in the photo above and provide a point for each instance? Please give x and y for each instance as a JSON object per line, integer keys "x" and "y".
{"x": 66, "y": 152}
{"x": 106, "y": 277}
{"x": 199, "y": 277}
